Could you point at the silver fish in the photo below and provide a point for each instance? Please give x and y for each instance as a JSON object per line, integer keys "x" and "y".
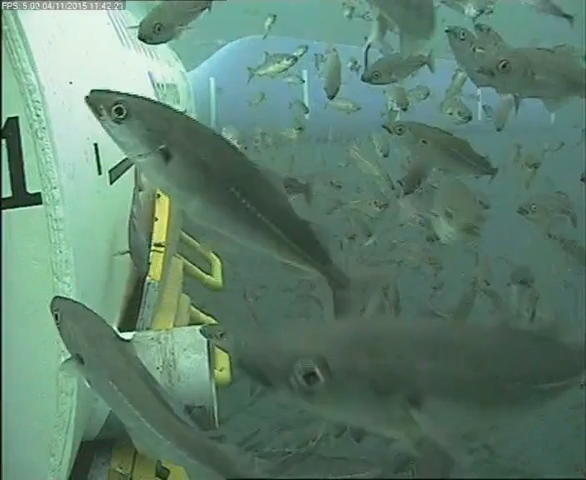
{"x": 394, "y": 67}
{"x": 463, "y": 45}
{"x": 332, "y": 73}
{"x": 272, "y": 65}
{"x": 268, "y": 24}
{"x": 546, "y": 208}
{"x": 549, "y": 7}
{"x": 441, "y": 148}
{"x": 470, "y": 8}
{"x": 168, "y": 19}
{"x": 524, "y": 297}
{"x": 156, "y": 426}
{"x": 415, "y": 20}
{"x": 341, "y": 371}
{"x": 216, "y": 184}
{"x": 456, "y": 110}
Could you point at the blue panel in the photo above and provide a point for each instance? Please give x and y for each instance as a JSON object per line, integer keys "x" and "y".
{"x": 229, "y": 67}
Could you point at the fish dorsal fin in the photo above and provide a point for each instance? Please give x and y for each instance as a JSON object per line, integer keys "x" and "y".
{"x": 265, "y": 56}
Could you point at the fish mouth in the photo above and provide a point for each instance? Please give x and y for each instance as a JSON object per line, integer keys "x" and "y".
{"x": 93, "y": 106}
{"x": 487, "y": 72}
{"x": 449, "y": 30}
{"x": 364, "y": 78}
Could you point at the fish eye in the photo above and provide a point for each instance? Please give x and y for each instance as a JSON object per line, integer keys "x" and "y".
{"x": 504, "y": 66}
{"x": 462, "y": 35}
{"x": 57, "y": 318}
{"x": 399, "y": 129}
{"x": 310, "y": 374}
{"x": 533, "y": 207}
{"x": 157, "y": 28}
{"x": 118, "y": 112}
{"x": 376, "y": 75}
{"x": 423, "y": 141}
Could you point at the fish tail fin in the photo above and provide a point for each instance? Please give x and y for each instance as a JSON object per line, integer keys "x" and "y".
{"x": 570, "y": 19}
{"x": 430, "y": 61}
{"x": 251, "y": 73}
{"x": 494, "y": 173}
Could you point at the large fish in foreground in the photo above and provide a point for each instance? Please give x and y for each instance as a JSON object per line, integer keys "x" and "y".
{"x": 410, "y": 379}
{"x": 216, "y": 185}
{"x": 158, "y": 429}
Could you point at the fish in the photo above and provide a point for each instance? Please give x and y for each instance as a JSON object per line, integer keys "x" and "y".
{"x": 344, "y": 105}
{"x": 534, "y": 73}
{"x": 381, "y": 145}
{"x": 524, "y": 297}
{"x": 458, "y": 212}
{"x": 268, "y": 24}
{"x": 549, "y": 7}
{"x": 529, "y": 164}
{"x": 299, "y": 105}
{"x": 487, "y": 38}
{"x": 502, "y": 112}
{"x": 415, "y": 20}
{"x": 218, "y": 186}
{"x": 462, "y": 42}
{"x": 397, "y": 98}
{"x": 379, "y": 27}
{"x": 546, "y": 208}
{"x": 260, "y": 98}
{"x": 272, "y": 65}
{"x": 354, "y": 65}
{"x": 572, "y": 248}
{"x": 419, "y": 93}
{"x": 294, "y": 79}
{"x": 332, "y": 73}
{"x": 371, "y": 166}
{"x": 417, "y": 173}
{"x": 480, "y": 373}
{"x": 457, "y": 82}
{"x": 301, "y": 50}
{"x": 158, "y": 427}
{"x": 472, "y": 9}
{"x": 168, "y": 19}
{"x": 394, "y": 67}
{"x": 456, "y": 110}
{"x": 294, "y": 187}
{"x": 447, "y": 151}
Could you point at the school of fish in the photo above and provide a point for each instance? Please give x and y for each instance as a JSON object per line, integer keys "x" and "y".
{"x": 440, "y": 378}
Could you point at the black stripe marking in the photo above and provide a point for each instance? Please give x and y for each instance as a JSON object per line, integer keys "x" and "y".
{"x": 97, "y": 157}
{"x": 118, "y": 170}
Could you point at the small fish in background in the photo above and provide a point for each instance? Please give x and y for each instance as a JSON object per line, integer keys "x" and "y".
{"x": 300, "y": 106}
{"x": 442, "y": 149}
{"x": 332, "y": 73}
{"x": 272, "y": 65}
{"x": 472, "y": 9}
{"x": 502, "y": 112}
{"x": 397, "y": 98}
{"x": 260, "y": 98}
{"x": 318, "y": 60}
{"x": 419, "y": 93}
{"x": 348, "y": 10}
{"x": 167, "y": 20}
{"x": 293, "y": 79}
{"x": 268, "y": 24}
{"x": 394, "y": 67}
{"x": 528, "y": 162}
{"x": 300, "y": 51}
{"x": 371, "y": 166}
{"x": 344, "y": 105}
{"x": 295, "y": 131}
{"x": 232, "y": 134}
{"x": 572, "y": 248}
{"x": 295, "y": 187}
{"x": 549, "y": 7}
{"x": 545, "y": 209}
{"x": 459, "y": 214}
{"x": 417, "y": 173}
{"x": 354, "y": 65}
{"x": 456, "y": 110}
{"x": 381, "y": 144}
{"x": 524, "y": 297}
{"x": 462, "y": 42}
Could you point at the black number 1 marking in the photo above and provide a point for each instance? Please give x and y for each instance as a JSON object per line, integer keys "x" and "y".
{"x": 21, "y": 197}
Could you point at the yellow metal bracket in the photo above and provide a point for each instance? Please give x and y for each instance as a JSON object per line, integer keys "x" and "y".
{"x": 173, "y": 308}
